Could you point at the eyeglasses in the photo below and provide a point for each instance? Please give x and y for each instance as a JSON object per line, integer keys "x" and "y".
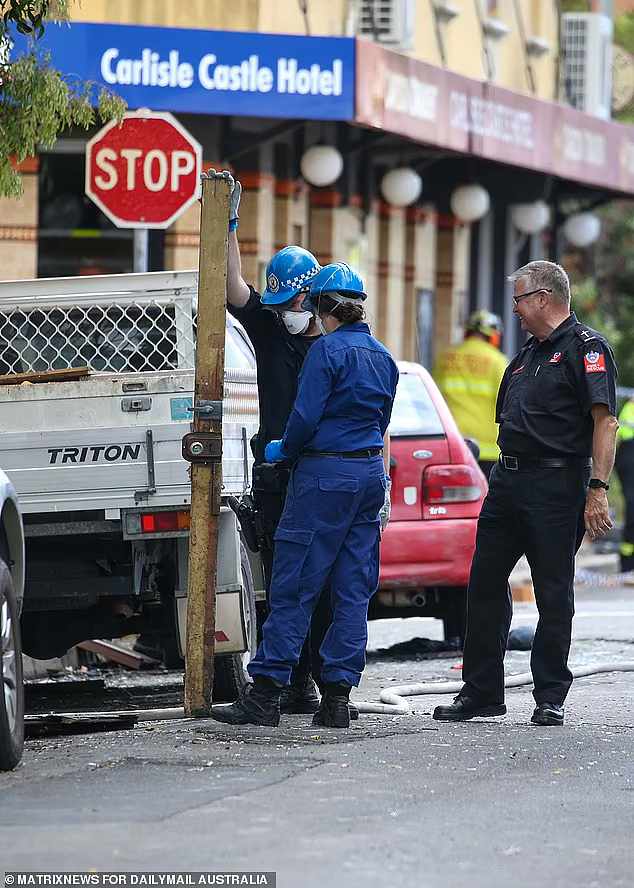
{"x": 517, "y": 299}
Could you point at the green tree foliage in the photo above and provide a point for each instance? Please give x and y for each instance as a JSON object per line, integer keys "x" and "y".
{"x": 37, "y": 102}
{"x": 604, "y": 299}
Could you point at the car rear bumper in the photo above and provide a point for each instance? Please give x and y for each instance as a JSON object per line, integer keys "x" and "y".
{"x": 420, "y": 554}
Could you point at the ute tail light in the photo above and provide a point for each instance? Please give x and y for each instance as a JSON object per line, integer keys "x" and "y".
{"x": 450, "y": 484}
{"x": 165, "y": 522}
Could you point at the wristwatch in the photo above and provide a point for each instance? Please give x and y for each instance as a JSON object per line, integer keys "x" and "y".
{"x": 596, "y": 482}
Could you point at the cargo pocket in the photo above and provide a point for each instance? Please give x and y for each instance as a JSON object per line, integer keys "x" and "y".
{"x": 294, "y": 535}
{"x": 341, "y": 485}
{"x": 291, "y": 550}
{"x": 336, "y": 500}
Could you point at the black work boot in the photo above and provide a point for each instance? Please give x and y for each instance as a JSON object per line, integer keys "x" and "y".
{"x": 464, "y": 708}
{"x": 258, "y": 704}
{"x": 334, "y": 709}
{"x": 300, "y": 698}
{"x": 548, "y": 714}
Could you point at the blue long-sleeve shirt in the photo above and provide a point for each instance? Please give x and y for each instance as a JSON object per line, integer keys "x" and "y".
{"x": 345, "y": 394}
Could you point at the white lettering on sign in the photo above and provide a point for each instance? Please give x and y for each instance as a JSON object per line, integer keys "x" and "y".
{"x": 458, "y": 111}
{"x": 247, "y": 76}
{"x": 131, "y": 155}
{"x": 149, "y": 70}
{"x": 411, "y": 96}
{"x": 292, "y": 79}
{"x": 159, "y": 183}
{"x": 102, "y": 161}
{"x": 183, "y": 162}
{"x": 158, "y": 167}
{"x": 491, "y": 119}
{"x": 583, "y": 146}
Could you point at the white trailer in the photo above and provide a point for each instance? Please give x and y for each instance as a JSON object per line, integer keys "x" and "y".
{"x": 96, "y": 461}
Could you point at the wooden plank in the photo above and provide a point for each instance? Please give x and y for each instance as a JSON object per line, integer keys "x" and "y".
{"x": 206, "y": 480}
{"x": 118, "y": 654}
{"x": 54, "y": 724}
{"x": 67, "y": 375}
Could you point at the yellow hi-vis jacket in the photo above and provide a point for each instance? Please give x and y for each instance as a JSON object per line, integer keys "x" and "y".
{"x": 626, "y": 423}
{"x": 469, "y": 377}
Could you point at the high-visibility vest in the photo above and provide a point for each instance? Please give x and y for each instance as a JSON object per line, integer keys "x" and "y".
{"x": 626, "y": 423}
{"x": 469, "y": 376}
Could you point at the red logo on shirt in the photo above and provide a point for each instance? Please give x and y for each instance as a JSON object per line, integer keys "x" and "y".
{"x": 556, "y": 358}
{"x": 594, "y": 362}
{"x": 517, "y": 371}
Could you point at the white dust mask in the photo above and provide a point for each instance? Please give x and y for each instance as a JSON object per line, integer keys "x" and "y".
{"x": 296, "y": 321}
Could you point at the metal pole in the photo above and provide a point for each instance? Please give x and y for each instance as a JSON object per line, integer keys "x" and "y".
{"x": 204, "y": 446}
{"x": 141, "y": 249}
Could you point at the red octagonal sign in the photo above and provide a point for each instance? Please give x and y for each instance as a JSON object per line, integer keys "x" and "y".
{"x": 144, "y": 173}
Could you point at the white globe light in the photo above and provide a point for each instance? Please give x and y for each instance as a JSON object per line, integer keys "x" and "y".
{"x": 582, "y": 229}
{"x": 401, "y": 187}
{"x": 530, "y": 218}
{"x": 470, "y": 202}
{"x": 321, "y": 165}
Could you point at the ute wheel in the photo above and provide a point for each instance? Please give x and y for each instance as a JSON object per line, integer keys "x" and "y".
{"x": 230, "y": 673}
{"x": 11, "y": 684}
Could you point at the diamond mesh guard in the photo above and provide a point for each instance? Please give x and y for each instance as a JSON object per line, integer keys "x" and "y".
{"x": 107, "y": 337}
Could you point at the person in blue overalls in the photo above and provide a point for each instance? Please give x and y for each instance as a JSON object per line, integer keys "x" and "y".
{"x": 330, "y": 527}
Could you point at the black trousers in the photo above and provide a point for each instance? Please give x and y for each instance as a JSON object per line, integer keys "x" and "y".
{"x": 310, "y": 662}
{"x": 537, "y": 513}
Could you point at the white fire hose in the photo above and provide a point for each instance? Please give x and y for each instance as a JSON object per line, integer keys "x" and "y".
{"x": 393, "y": 702}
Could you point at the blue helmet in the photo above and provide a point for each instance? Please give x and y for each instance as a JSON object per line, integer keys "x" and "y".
{"x": 338, "y": 281}
{"x": 288, "y": 272}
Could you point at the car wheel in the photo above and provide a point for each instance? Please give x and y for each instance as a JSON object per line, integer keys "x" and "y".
{"x": 11, "y": 683}
{"x": 230, "y": 672}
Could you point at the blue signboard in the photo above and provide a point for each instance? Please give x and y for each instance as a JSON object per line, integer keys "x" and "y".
{"x": 211, "y": 72}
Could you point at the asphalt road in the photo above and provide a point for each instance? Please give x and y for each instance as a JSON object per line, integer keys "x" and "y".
{"x": 394, "y": 801}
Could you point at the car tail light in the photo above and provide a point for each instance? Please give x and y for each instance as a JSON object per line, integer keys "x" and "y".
{"x": 450, "y": 484}
{"x": 165, "y": 522}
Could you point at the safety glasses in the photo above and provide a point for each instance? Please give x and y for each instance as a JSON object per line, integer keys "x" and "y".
{"x": 517, "y": 299}
{"x": 290, "y": 303}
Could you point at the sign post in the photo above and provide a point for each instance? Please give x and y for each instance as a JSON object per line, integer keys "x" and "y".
{"x": 203, "y": 446}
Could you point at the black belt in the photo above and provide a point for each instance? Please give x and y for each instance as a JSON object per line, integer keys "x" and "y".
{"x": 514, "y": 463}
{"x": 350, "y": 454}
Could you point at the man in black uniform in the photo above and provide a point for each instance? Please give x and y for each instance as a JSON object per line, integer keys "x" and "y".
{"x": 556, "y": 409}
{"x": 281, "y": 333}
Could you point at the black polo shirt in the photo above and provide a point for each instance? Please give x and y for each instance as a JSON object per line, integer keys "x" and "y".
{"x": 549, "y": 389}
{"x": 280, "y": 356}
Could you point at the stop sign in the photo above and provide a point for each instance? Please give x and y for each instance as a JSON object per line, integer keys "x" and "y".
{"x": 144, "y": 173}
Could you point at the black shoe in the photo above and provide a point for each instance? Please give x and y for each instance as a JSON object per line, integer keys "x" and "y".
{"x": 258, "y": 704}
{"x": 463, "y": 708}
{"x": 548, "y": 714}
{"x": 298, "y": 699}
{"x": 354, "y": 712}
{"x": 334, "y": 709}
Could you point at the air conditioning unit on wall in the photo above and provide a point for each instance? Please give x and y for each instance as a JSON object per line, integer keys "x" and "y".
{"x": 586, "y": 63}
{"x": 392, "y": 22}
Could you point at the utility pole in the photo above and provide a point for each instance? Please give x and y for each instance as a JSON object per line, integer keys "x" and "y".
{"x": 203, "y": 446}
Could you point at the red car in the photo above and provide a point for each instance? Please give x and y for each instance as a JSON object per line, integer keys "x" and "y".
{"x": 437, "y": 492}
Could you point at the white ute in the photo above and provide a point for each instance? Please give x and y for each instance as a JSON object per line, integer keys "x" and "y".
{"x": 95, "y": 457}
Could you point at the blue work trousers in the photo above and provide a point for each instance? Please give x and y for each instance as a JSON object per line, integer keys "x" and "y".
{"x": 329, "y": 529}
